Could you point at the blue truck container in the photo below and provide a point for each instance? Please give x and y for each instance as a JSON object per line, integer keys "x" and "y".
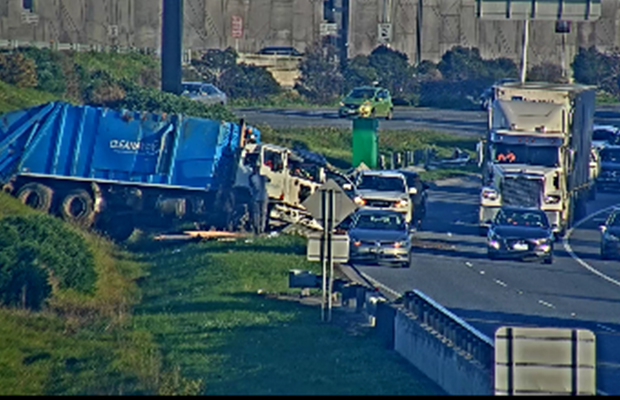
{"x": 117, "y": 169}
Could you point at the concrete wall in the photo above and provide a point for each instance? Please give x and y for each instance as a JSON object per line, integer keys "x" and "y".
{"x": 446, "y": 23}
{"x": 438, "y": 360}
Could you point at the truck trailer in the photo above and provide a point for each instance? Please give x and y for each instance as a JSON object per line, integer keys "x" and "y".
{"x": 116, "y": 170}
{"x": 537, "y": 151}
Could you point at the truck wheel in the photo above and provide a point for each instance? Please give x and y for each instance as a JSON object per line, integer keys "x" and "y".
{"x": 8, "y": 188}
{"x": 36, "y": 195}
{"x": 78, "y": 207}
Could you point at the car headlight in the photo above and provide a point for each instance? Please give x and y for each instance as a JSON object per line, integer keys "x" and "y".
{"x": 489, "y": 193}
{"x": 552, "y": 199}
{"x": 341, "y": 104}
{"x": 401, "y": 245}
{"x": 539, "y": 242}
{"x": 610, "y": 237}
{"x": 359, "y": 201}
{"x": 401, "y": 204}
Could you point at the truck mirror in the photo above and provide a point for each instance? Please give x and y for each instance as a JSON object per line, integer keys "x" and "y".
{"x": 347, "y": 186}
{"x": 602, "y": 228}
{"x": 413, "y": 191}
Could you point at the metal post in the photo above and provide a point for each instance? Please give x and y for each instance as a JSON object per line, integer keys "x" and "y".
{"x": 418, "y": 34}
{"x": 526, "y": 40}
{"x": 324, "y": 251}
{"x": 330, "y": 252}
{"x": 172, "y": 46}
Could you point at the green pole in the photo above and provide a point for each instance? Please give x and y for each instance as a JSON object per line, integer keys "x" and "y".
{"x": 365, "y": 142}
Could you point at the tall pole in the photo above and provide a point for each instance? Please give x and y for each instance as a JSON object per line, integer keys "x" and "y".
{"x": 324, "y": 251}
{"x": 330, "y": 250}
{"x": 172, "y": 46}
{"x": 344, "y": 51}
{"x": 418, "y": 33}
{"x": 526, "y": 41}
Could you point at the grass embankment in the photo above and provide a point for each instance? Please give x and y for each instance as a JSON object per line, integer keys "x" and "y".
{"x": 196, "y": 325}
{"x": 80, "y": 343}
{"x": 203, "y": 305}
{"x": 13, "y": 98}
{"x": 335, "y": 144}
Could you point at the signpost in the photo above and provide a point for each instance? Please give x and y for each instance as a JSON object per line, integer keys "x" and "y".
{"x": 329, "y": 29}
{"x": 237, "y": 30}
{"x": 329, "y": 205}
{"x": 545, "y": 10}
{"x": 385, "y": 33}
{"x": 545, "y": 361}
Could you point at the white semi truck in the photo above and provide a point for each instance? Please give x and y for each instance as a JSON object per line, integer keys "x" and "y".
{"x": 537, "y": 151}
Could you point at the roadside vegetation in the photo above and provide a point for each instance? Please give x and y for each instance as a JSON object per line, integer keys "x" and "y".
{"x": 179, "y": 319}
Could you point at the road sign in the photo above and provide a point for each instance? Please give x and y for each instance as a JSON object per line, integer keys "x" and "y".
{"x": 237, "y": 27}
{"x": 384, "y": 35}
{"x": 343, "y": 205}
{"x": 329, "y": 29}
{"x": 530, "y": 361}
{"x": 340, "y": 248}
{"x": 568, "y": 10}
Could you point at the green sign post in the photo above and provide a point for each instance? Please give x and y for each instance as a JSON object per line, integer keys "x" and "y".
{"x": 365, "y": 142}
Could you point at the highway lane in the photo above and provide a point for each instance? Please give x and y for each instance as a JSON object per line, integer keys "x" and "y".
{"x": 466, "y": 123}
{"x": 451, "y": 267}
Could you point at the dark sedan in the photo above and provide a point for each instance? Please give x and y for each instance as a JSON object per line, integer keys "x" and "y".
{"x": 381, "y": 237}
{"x": 520, "y": 233}
{"x": 610, "y": 240}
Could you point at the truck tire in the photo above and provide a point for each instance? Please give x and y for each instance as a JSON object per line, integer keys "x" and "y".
{"x": 36, "y": 195}
{"x": 78, "y": 207}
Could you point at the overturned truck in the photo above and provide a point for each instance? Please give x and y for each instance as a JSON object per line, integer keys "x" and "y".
{"x": 117, "y": 170}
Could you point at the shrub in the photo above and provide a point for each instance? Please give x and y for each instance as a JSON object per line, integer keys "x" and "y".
{"x": 394, "y": 73}
{"x": 591, "y": 67}
{"x": 546, "y": 72}
{"x": 248, "y": 81}
{"x": 358, "y": 72}
{"x": 18, "y": 70}
{"x": 37, "y": 252}
{"x": 50, "y": 75}
{"x": 320, "y": 81}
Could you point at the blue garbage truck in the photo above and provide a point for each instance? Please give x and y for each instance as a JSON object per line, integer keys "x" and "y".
{"x": 117, "y": 170}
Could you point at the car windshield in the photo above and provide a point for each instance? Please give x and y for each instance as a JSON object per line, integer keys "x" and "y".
{"x": 610, "y": 155}
{"x": 209, "y": 89}
{"x": 544, "y": 156}
{"x": 524, "y": 218}
{"x": 362, "y": 94}
{"x": 194, "y": 89}
{"x": 381, "y": 183}
{"x": 381, "y": 222}
{"x": 602, "y": 134}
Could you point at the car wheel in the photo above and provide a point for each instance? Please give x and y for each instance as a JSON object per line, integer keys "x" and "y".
{"x": 373, "y": 113}
{"x": 390, "y": 115}
{"x": 548, "y": 260}
{"x": 604, "y": 255}
{"x": 482, "y": 230}
{"x": 491, "y": 255}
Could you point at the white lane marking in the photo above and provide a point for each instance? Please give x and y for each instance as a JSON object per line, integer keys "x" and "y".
{"x": 608, "y": 329}
{"x": 576, "y": 257}
{"x": 500, "y": 283}
{"x": 544, "y": 303}
{"x": 470, "y": 265}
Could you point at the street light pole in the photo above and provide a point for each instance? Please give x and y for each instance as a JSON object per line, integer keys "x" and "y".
{"x": 172, "y": 46}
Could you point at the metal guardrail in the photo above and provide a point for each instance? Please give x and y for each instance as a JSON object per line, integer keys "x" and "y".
{"x": 424, "y": 157}
{"x": 452, "y": 330}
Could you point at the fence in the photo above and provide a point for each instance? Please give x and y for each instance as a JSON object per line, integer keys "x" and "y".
{"x": 426, "y": 157}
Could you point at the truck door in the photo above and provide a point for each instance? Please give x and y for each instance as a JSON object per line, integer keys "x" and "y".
{"x": 273, "y": 167}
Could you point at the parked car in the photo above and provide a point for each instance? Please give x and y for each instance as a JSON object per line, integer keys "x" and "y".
{"x": 280, "y": 51}
{"x": 367, "y": 102}
{"x": 418, "y": 199}
{"x": 384, "y": 190}
{"x": 487, "y": 97}
{"x": 204, "y": 92}
{"x": 380, "y": 237}
{"x": 610, "y": 236}
{"x": 520, "y": 233}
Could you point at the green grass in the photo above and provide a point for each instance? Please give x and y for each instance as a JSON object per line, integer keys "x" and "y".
{"x": 201, "y": 303}
{"x": 336, "y": 144}
{"x": 120, "y": 66}
{"x": 13, "y": 98}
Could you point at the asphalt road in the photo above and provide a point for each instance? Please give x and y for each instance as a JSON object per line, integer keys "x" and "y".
{"x": 452, "y": 268}
{"x": 467, "y": 123}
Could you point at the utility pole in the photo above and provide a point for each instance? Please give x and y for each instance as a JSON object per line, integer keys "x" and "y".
{"x": 172, "y": 46}
{"x": 418, "y": 33}
{"x": 344, "y": 33}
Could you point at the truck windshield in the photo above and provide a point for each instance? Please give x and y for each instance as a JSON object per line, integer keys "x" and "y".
{"x": 520, "y": 154}
{"x": 381, "y": 183}
{"x": 610, "y": 155}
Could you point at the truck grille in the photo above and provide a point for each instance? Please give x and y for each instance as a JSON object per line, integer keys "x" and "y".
{"x": 379, "y": 203}
{"x": 522, "y": 192}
